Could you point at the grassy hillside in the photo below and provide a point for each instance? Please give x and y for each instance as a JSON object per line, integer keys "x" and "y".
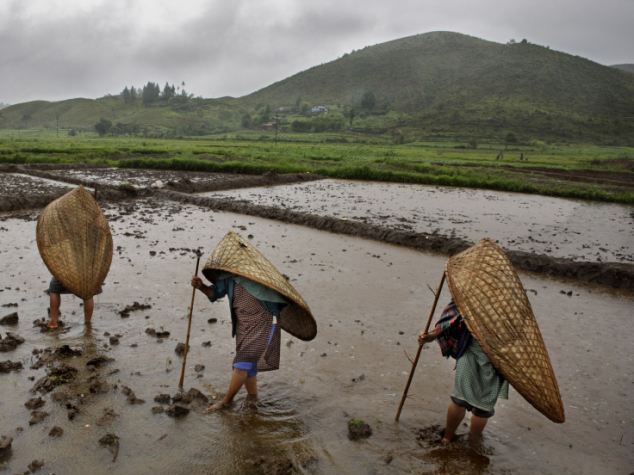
{"x": 194, "y": 117}
{"x": 432, "y": 69}
{"x": 449, "y": 81}
{"x": 429, "y": 86}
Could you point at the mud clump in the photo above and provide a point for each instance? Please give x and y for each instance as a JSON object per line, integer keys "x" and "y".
{"x": 98, "y": 361}
{"x": 157, "y": 333}
{"x": 111, "y": 441}
{"x": 35, "y": 465}
{"x": 37, "y": 417}
{"x": 8, "y": 366}
{"x": 135, "y": 307}
{"x": 358, "y": 429}
{"x": 177, "y": 411}
{"x": 58, "y": 374}
{"x": 180, "y": 349}
{"x": 10, "y": 342}
{"x": 48, "y": 355}
{"x": 132, "y": 399}
{"x": 55, "y": 432}
{"x": 108, "y": 417}
{"x": 5, "y": 445}
{"x": 429, "y": 436}
{"x": 162, "y": 398}
{"x": 11, "y": 319}
{"x": 34, "y": 403}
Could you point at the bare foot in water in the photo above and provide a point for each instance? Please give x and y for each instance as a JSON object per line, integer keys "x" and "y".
{"x": 218, "y": 406}
{"x": 446, "y": 440}
{"x": 52, "y": 326}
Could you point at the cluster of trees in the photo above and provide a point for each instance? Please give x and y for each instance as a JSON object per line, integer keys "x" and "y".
{"x": 152, "y": 94}
{"x": 106, "y": 127}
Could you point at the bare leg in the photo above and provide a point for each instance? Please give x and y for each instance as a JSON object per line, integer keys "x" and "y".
{"x": 89, "y": 306}
{"x": 455, "y": 414}
{"x": 55, "y": 301}
{"x": 238, "y": 378}
{"x": 477, "y": 426}
{"x": 251, "y": 386}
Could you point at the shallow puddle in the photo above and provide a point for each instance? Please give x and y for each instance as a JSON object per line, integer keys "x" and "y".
{"x": 370, "y": 300}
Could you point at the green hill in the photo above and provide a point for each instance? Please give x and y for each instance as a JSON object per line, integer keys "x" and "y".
{"x": 624, "y": 67}
{"x": 193, "y": 117}
{"x": 438, "y": 84}
{"x": 454, "y": 80}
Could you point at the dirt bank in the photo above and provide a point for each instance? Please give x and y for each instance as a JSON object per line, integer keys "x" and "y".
{"x": 117, "y": 184}
{"x": 184, "y": 181}
{"x": 611, "y": 274}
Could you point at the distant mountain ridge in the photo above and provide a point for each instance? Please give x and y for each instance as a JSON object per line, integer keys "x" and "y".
{"x": 440, "y": 83}
{"x": 442, "y": 69}
{"x": 627, "y": 67}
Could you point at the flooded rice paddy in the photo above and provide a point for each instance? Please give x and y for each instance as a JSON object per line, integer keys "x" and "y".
{"x": 370, "y": 300}
{"x": 574, "y": 229}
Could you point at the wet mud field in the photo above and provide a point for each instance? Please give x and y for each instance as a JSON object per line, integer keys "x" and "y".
{"x": 104, "y": 399}
{"x": 563, "y": 228}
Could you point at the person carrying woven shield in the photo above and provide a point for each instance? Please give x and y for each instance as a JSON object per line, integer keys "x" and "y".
{"x": 261, "y": 302}
{"x": 75, "y": 242}
{"x": 55, "y": 291}
{"x": 477, "y": 386}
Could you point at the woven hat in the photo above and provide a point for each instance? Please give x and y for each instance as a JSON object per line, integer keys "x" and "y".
{"x": 492, "y": 300}
{"x": 235, "y": 255}
{"x": 74, "y": 240}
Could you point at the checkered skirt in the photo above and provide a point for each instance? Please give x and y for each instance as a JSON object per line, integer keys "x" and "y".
{"x": 256, "y": 340}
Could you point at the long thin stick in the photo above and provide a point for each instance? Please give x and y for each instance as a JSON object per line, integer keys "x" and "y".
{"x": 420, "y": 347}
{"x": 189, "y": 327}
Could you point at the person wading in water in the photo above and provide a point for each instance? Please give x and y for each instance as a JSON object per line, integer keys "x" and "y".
{"x": 262, "y": 302}
{"x": 477, "y": 385}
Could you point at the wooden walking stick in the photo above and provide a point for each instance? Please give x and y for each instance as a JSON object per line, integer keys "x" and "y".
{"x": 189, "y": 326}
{"x": 420, "y": 347}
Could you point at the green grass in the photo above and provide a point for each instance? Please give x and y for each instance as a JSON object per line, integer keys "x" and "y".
{"x": 349, "y": 156}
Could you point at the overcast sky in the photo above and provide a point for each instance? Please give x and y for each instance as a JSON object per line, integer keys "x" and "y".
{"x": 58, "y": 49}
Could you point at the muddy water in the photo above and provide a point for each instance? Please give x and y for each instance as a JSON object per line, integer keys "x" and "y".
{"x": 538, "y": 224}
{"x": 369, "y": 299}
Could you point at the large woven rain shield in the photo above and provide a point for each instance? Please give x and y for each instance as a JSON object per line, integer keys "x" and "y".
{"x": 237, "y": 256}
{"x": 493, "y": 303}
{"x": 74, "y": 240}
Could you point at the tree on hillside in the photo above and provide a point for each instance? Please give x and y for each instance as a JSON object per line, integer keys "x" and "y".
{"x": 103, "y": 126}
{"x": 368, "y": 101}
{"x": 150, "y": 94}
{"x": 246, "y": 121}
{"x": 349, "y": 113}
{"x": 168, "y": 92}
{"x": 125, "y": 95}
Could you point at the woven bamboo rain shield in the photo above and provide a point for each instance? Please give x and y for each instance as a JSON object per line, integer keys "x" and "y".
{"x": 235, "y": 255}
{"x": 74, "y": 240}
{"x": 492, "y": 300}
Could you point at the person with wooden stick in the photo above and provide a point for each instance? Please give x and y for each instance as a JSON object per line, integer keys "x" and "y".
{"x": 477, "y": 386}
{"x": 261, "y": 302}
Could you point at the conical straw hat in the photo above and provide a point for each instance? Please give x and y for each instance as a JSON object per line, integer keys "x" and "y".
{"x": 235, "y": 255}
{"x": 492, "y": 300}
{"x": 74, "y": 240}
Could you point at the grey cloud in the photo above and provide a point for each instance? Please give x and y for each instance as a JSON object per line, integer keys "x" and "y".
{"x": 235, "y": 47}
